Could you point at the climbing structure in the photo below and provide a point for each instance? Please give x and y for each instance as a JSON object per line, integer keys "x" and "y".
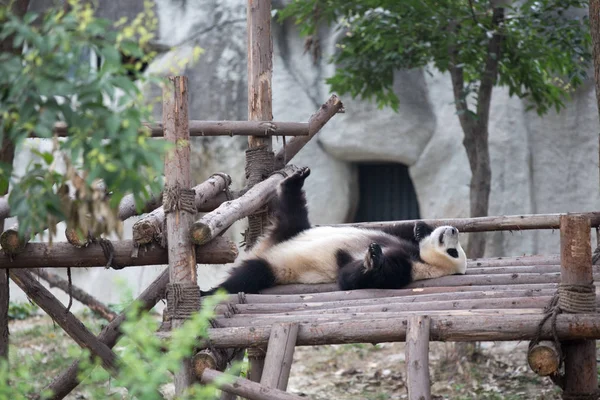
{"x": 549, "y": 300}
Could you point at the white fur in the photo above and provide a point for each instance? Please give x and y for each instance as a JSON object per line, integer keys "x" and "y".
{"x": 437, "y": 261}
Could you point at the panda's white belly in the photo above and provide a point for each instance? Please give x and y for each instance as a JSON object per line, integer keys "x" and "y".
{"x": 310, "y": 257}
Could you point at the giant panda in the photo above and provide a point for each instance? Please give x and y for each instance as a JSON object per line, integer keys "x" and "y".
{"x": 356, "y": 258}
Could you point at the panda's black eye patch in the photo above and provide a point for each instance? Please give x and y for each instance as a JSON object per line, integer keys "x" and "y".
{"x": 441, "y": 239}
{"x": 452, "y": 253}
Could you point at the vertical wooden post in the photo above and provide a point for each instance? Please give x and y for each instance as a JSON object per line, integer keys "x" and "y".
{"x": 280, "y": 354}
{"x": 417, "y": 358}
{"x": 259, "y": 156}
{"x": 183, "y": 294}
{"x": 576, "y": 269}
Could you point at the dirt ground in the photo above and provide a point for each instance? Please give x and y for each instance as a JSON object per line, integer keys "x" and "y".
{"x": 353, "y": 371}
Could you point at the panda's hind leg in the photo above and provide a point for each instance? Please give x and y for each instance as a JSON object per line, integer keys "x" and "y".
{"x": 377, "y": 270}
{"x": 290, "y": 211}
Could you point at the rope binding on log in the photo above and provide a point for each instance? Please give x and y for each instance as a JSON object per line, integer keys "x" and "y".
{"x": 183, "y": 300}
{"x": 572, "y": 299}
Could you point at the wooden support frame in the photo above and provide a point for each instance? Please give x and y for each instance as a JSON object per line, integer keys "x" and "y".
{"x": 279, "y": 357}
{"x": 581, "y": 374}
{"x": 62, "y": 255}
{"x": 417, "y": 358}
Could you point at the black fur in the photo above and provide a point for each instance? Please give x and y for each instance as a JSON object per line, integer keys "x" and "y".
{"x": 380, "y": 270}
{"x": 252, "y": 276}
{"x": 290, "y": 212}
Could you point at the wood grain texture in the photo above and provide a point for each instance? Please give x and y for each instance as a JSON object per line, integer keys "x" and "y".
{"x": 417, "y": 358}
{"x": 279, "y": 357}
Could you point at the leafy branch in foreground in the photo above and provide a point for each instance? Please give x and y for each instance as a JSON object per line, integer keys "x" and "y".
{"x": 145, "y": 364}
{"x": 52, "y": 80}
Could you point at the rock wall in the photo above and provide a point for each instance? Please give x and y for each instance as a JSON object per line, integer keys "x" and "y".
{"x": 539, "y": 165}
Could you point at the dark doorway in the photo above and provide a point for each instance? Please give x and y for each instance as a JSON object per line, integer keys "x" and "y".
{"x": 386, "y": 193}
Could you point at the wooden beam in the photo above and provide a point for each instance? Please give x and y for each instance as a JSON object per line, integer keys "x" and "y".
{"x": 212, "y": 224}
{"x": 581, "y": 375}
{"x": 181, "y": 251}
{"x": 255, "y": 303}
{"x": 63, "y": 255}
{"x": 150, "y": 227}
{"x": 487, "y": 224}
{"x": 64, "y": 383}
{"x": 417, "y": 358}
{"x": 443, "y": 328}
{"x": 224, "y": 128}
{"x": 279, "y": 357}
{"x": 543, "y": 358}
{"x": 244, "y": 387}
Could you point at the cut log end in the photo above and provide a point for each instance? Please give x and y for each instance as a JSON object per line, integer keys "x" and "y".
{"x": 200, "y": 233}
{"x": 543, "y": 358}
{"x": 75, "y": 238}
{"x": 10, "y": 241}
{"x": 207, "y": 359}
{"x": 143, "y": 232}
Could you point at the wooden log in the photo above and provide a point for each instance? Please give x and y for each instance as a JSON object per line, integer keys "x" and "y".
{"x": 256, "y": 303}
{"x": 62, "y": 255}
{"x": 215, "y": 222}
{"x": 223, "y": 128}
{"x": 331, "y": 107}
{"x": 4, "y": 306}
{"x": 417, "y": 358}
{"x": 375, "y": 294}
{"x": 181, "y": 251}
{"x": 67, "y": 321}
{"x": 488, "y": 224}
{"x": 150, "y": 227}
{"x": 517, "y": 269}
{"x": 127, "y": 208}
{"x": 64, "y": 383}
{"x": 451, "y": 280}
{"x": 76, "y": 239}
{"x": 208, "y": 359}
{"x": 279, "y": 357}
{"x": 11, "y": 242}
{"x": 543, "y": 358}
{"x": 96, "y": 306}
{"x": 256, "y": 363}
{"x": 552, "y": 259}
{"x": 248, "y": 311}
{"x": 470, "y": 328}
{"x": 257, "y": 320}
{"x": 581, "y": 375}
{"x": 244, "y": 387}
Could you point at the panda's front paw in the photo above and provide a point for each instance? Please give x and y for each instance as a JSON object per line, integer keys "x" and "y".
{"x": 373, "y": 257}
{"x": 296, "y": 179}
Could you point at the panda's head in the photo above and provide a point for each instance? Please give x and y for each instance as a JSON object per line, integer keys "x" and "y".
{"x": 440, "y": 247}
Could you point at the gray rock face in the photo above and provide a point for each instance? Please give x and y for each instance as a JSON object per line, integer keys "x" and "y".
{"x": 539, "y": 165}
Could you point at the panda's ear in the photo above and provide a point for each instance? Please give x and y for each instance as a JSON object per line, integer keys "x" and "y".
{"x": 422, "y": 230}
